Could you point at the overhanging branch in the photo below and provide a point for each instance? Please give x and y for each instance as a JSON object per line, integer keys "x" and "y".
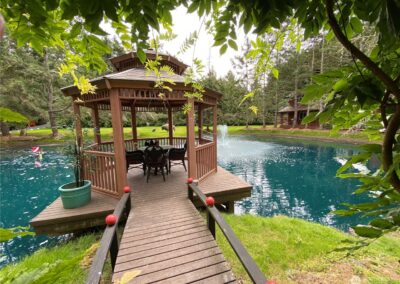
{"x": 372, "y": 66}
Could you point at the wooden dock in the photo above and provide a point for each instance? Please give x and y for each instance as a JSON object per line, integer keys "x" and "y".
{"x": 165, "y": 238}
{"x": 55, "y": 220}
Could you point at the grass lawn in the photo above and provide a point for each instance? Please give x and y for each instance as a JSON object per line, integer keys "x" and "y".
{"x": 291, "y": 250}
{"x": 65, "y": 263}
{"x": 287, "y": 250}
{"x": 43, "y": 135}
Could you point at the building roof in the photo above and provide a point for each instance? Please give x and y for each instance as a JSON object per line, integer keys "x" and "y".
{"x": 299, "y": 108}
{"x": 140, "y": 74}
{"x": 129, "y": 60}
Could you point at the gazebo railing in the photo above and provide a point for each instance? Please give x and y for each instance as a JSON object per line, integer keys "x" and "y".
{"x": 99, "y": 160}
{"x": 99, "y": 168}
{"x": 177, "y": 142}
{"x": 206, "y": 159}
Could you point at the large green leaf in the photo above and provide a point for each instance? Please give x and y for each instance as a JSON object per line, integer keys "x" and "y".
{"x": 367, "y": 231}
{"x": 381, "y": 223}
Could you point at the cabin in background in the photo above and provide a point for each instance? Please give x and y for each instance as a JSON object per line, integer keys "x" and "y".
{"x": 286, "y": 114}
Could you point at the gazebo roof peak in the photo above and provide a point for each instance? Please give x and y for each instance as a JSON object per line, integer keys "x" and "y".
{"x": 131, "y": 60}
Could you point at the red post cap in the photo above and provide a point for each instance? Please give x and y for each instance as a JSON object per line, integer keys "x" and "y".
{"x": 111, "y": 219}
{"x": 271, "y": 282}
{"x": 210, "y": 201}
{"x": 127, "y": 188}
{"x": 190, "y": 180}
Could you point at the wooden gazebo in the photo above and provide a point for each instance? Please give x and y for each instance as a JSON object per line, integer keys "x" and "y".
{"x": 130, "y": 88}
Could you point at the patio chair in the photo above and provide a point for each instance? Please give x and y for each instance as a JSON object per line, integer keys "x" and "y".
{"x": 135, "y": 159}
{"x": 149, "y": 143}
{"x": 155, "y": 158}
{"x": 176, "y": 156}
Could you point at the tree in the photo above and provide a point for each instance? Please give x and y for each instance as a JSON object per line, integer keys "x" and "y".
{"x": 362, "y": 91}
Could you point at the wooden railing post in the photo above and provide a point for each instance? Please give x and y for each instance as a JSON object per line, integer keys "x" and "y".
{"x": 109, "y": 243}
{"x": 190, "y": 193}
{"x": 114, "y": 247}
{"x": 211, "y": 223}
{"x": 214, "y": 216}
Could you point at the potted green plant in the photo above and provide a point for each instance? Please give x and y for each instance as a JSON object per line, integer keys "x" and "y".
{"x": 78, "y": 193}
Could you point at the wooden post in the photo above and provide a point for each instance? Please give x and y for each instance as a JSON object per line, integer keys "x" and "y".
{"x": 170, "y": 126}
{"x": 211, "y": 223}
{"x": 79, "y": 136}
{"x": 133, "y": 123}
{"x": 200, "y": 122}
{"x": 78, "y": 123}
{"x": 215, "y": 134}
{"x": 119, "y": 144}
{"x": 230, "y": 207}
{"x": 191, "y": 141}
{"x": 96, "y": 124}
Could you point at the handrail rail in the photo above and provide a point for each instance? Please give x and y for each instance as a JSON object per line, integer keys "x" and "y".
{"x": 109, "y": 242}
{"x": 202, "y": 146}
{"x": 99, "y": 153}
{"x": 213, "y": 215}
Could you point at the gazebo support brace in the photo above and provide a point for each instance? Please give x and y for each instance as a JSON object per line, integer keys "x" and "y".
{"x": 96, "y": 124}
{"x": 191, "y": 140}
{"x": 133, "y": 123}
{"x": 215, "y": 126}
{"x": 119, "y": 144}
{"x": 170, "y": 126}
{"x": 200, "y": 122}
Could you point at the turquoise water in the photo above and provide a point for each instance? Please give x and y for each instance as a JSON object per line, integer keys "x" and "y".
{"x": 25, "y": 191}
{"x": 291, "y": 178}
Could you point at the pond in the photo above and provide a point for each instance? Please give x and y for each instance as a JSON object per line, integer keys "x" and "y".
{"x": 25, "y": 190}
{"x": 289, "y": 177}
{"x": 292, "y": 178}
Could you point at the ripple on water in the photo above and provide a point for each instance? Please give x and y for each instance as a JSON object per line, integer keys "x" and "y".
{"x": 290, "y": 179}
{"x": 25, "y": 191}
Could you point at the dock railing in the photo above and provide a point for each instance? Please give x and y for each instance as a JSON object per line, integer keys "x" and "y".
{"x": 109, "y": 243}
{"x": 214, "y": 216}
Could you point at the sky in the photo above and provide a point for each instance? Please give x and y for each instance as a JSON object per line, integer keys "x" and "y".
{"x": 184, "y": 25}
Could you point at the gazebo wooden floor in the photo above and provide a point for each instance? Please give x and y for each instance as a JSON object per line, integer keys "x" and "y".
{"x": 55, "y": 220}
{"x": 165, "y": 238}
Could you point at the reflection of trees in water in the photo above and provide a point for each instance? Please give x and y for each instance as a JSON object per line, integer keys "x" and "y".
{"x": 300, "y": 183}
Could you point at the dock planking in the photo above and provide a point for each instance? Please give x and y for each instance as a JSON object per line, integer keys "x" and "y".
{"x": 165, "y": 238}
{"x": 55, "y": 220}
{"x": 222, "y": 185}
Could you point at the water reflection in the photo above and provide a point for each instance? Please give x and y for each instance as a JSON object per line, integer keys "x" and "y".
{"x": 290, "y": 178}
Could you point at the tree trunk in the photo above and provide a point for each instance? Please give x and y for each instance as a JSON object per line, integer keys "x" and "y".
{"x": 263, "y": 101}
{"x": 5, "y": 128}
{"x": 276, "y": 96}
{"x": 312, "y": 74}
{"x": 50, "y": 98}
{"x": 296, "y": 86}
{"x": 53, "y": 124}
{"x": 321, "y": 70}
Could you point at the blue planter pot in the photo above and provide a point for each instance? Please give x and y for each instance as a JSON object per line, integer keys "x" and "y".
{"x": 74, "y": 197}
